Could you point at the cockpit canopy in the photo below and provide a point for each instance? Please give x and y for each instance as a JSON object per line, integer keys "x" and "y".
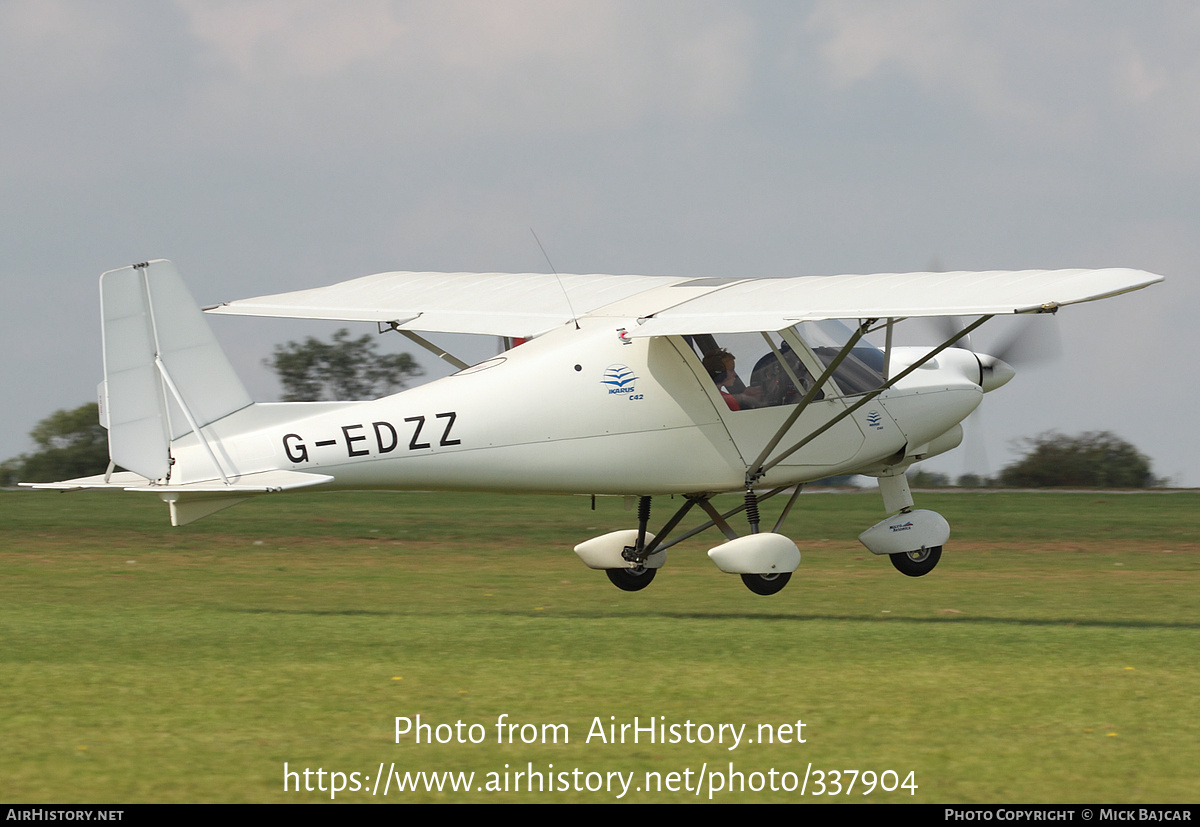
{"x": 763, "y": 370}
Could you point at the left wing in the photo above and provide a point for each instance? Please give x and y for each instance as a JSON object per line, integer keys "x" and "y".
{"x": 497, "y": 304}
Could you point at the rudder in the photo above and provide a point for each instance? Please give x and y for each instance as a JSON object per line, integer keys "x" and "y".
{"x": 164, "y": 372}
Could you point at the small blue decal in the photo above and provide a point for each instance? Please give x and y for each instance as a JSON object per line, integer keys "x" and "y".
{"x": 619, "y": 379}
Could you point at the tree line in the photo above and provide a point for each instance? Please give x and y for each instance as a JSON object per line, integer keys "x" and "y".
{"x": 1095, "y": 459}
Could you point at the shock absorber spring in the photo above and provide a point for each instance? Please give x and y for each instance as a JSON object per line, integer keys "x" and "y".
{"x": 643, "y": 520}
{"x": 752, "y": 510}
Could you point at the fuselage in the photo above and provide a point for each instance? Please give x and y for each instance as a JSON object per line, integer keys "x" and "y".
{"x": 589, "y": 410}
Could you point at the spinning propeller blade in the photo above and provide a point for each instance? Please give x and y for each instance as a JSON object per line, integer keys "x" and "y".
{"x": 1028, "y": 341}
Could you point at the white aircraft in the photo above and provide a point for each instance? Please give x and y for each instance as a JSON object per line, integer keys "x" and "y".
{"x": 625, "y": 385}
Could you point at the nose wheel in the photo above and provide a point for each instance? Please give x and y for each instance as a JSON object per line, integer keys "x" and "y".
{"x": 916, "y": 563}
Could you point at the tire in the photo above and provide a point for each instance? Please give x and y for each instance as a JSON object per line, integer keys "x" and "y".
{"x": 631, "y": 580}
{"x": 917, "y": 563}
{"x": 766, "y": 583}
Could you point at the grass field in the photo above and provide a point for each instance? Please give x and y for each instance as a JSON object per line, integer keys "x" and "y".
{"x": 1051, "y": 657}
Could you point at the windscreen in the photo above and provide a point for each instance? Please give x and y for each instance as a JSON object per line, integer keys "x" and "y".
{"x": 861, "y": 371}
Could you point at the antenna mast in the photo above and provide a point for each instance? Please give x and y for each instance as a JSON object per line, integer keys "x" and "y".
{"x": 561, "y": 287}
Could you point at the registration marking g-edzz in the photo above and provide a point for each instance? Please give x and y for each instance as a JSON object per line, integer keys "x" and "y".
{"x": 382, "y": 435}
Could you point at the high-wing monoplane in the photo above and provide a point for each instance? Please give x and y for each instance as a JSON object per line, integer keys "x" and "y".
{"x": 639, "y": 386}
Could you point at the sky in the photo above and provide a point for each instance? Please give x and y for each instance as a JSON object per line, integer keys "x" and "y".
{"x": 271, "y": 145}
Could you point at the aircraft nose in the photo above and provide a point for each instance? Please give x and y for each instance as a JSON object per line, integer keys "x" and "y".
{"x": 993, "y": 372}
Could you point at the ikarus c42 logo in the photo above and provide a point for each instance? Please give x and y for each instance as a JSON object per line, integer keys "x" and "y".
{"x": 619, "y": 379}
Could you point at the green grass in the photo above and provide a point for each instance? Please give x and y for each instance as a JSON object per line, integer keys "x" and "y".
{"x": 1051, "y": 657}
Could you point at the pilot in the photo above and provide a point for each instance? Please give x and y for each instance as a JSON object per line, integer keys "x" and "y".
{"x": 720, "y": 366}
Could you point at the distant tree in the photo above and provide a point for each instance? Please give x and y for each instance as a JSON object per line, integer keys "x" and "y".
{"x": 839, "y": 481}
{"x": 973, "y": 481}
{"x": 1096, "y": 459}
{"x": 343, "y": 369}
{"x": 928, "y": 479}
{"x": 70, "y": 443}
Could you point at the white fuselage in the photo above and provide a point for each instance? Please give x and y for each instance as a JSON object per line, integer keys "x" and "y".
{"x": 581, "y": 410}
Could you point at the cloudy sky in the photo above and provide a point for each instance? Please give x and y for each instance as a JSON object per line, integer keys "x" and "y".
{"x": 268, "y": 145}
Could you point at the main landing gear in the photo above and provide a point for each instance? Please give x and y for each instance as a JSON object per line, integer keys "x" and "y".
{"x": 765, "y": 560}
{"x": 766, "y": 583}
{"x": 911, "y": 539}
{"x": 631, "y": 580}
{"x": 636, "y": 575}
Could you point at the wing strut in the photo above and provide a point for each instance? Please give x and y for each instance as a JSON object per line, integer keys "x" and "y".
{"x": 441, "y": 353}
{"x": 760, "y": 467}
{"x": 887, "y": 348}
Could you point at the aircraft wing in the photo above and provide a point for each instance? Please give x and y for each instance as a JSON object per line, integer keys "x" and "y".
{"x": 497, "y": 304}
{"x": 774, "y": 304}
{"x": 531, "y": 303}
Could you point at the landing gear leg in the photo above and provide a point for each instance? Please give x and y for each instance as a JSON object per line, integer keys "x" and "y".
{"x": 751, "y": 501}
{"x": 765, "y": 584}
{"x": 637, "y": 577}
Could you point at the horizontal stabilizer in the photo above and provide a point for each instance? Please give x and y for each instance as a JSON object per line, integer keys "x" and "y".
{"x": 258, "y": 483}
{"x": 117, "y": 482}
{"x": 191, "y": 501}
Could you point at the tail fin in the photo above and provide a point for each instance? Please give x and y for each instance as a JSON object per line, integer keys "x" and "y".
{"x": 164, "y": 373}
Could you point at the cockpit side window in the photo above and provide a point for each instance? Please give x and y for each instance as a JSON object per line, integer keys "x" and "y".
{"x": 752, "y": 370}
{"x": 765, "y": 370}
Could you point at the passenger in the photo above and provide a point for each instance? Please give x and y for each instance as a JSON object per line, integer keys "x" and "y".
{"x": 774, "y": 384}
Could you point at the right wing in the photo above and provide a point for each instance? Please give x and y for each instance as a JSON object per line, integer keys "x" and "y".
{"x": 778, "y": 303}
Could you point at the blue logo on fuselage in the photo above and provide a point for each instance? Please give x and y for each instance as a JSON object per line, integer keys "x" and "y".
{"x": 618, "y": 378}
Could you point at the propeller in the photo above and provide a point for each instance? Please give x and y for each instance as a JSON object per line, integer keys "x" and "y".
{"x": 1031, "y": 340}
